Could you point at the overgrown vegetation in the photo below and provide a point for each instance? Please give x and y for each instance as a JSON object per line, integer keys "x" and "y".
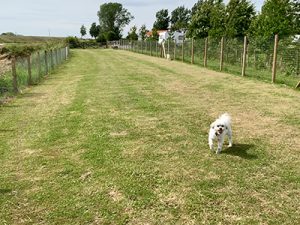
{"x": 15, "y": 45}
{"x": 75, "y": 42}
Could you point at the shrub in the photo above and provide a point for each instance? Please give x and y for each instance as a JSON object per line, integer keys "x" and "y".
{"x": 73, "y": 42}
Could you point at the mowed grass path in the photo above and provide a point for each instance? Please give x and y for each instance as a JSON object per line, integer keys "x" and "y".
{"x": 114, "y": 137}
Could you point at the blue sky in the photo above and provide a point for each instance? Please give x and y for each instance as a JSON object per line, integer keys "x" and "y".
{"x": 65, "y": 17}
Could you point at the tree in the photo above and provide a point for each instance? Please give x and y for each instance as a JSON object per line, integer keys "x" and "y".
{"x": 276, "y": 17}
{"x": 217, "y": 20}
{"x": 113, "y": 18}
{"x": 296, "y": 15}
{"x": 239, "y": 14}
{"x": 155, "y": 35}
{"x": 180, "y": 18}
{"x": 201, "y": 18}
{"x": 162, "y": 20}
{"x": 142, "y": 32}
{"x": 132, "y": 35}
{"x": 94, "y": 30}
{"x": 82, "y": 31}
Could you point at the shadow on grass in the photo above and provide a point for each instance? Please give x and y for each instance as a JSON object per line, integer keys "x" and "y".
{"x": 5, "y": 191}
{"x": 30, "y": 95}
{"x": 240, "y": 150}
{"x": 6, "y": 130}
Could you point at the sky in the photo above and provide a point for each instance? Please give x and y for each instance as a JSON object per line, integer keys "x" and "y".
{"x": 62, "y": 18}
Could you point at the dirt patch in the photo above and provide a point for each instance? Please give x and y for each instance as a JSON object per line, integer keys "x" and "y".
{"x": 116, "y": 195}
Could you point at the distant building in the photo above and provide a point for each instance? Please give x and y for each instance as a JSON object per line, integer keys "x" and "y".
{"x": 177, "y": 36}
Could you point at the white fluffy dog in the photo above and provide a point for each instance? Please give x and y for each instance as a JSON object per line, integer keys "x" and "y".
{"x": 218, "y": 130}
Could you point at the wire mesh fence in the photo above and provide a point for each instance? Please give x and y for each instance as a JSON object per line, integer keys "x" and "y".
{"x": 19, "y": 72}
{"x": 252, "y": 57}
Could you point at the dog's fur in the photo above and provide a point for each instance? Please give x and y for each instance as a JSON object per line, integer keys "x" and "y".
{"x": 218, "y": 130}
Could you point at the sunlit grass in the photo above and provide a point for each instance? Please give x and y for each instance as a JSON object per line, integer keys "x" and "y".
{"x": 115, "y": 137}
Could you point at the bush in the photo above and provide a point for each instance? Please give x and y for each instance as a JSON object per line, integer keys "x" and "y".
{"x": 73, "y": 42}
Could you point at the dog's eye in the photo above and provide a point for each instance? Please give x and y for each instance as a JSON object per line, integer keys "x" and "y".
{"x": 222, "y": 125}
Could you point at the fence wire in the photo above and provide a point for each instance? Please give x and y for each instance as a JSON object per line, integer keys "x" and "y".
{"x": 259, "y": 53}
{"x": 30, "y": 70}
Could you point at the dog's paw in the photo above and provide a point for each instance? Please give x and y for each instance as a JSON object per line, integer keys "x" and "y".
{"x": 230, "y": 145}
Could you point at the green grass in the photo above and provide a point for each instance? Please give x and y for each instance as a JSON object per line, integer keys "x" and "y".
{"x": 262, "y": 74}
{"x": 115, "y": 137}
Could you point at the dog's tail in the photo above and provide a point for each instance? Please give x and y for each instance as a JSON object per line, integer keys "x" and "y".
{"x": 226, "y": 118}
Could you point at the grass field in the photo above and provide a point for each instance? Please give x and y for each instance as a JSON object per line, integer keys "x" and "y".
{"x": 114, "y": 137}
{"x": 27, "y": 39}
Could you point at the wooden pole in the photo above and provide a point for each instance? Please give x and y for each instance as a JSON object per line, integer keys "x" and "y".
{"x": 51, "y": 59}
{"x": 142, "y": 46}
{"x": 29, "y": 70}
{"x": 192, "y": 53}
{"x": 46, "y": 62}
{"x": 182, "y": 51}
{"x": 39, "y": 65}
{"x": 175, "y": 45}
{"x": 66, "y": 53}
{"x": 14, "y": 74}
{"x": 205, "y": 52}
{"x": 298, "y": 63}
{"x": 255, "y": 58}
{"x": 56, "y": 56}
{"x": 156, "y": 48}
{"x": 222, "y": 54}
{"x": 244, "y": 56}
{"x": 298, "y": 85}
{"x": 150, "y": 48}
{"x": 274, "y": 58}
{"x": 169, "y": 47}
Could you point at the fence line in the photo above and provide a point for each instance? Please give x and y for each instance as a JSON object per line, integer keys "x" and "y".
{"x": 29, "y": 70}
{"x": 275, "y": 60}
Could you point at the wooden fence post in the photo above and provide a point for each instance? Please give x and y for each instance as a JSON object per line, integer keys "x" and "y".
{"x": 182, "y": 51}
{"x": 51, "y": 59}
{"x": 66, "y": 53}
{"x": 14, "y": 75}
{"x": 274, "y": 58}
{"x": 56, "y": 57}
{"x": 46, "y": 63}
{"x": 175, "y": 45}
{"x": 192, "y": 53}
{"x": 298, "y": 62}
{"x": 142, "y": 46}
{"x": 156, "y": 48}
{"x": 244, "y": 56}
{"x": 29, "y": 80}
{"x": 169, "y": 47}
{"x": 222, "y": 54}
{"x": 39, "y": 65}
{"x": 205, "y": 52}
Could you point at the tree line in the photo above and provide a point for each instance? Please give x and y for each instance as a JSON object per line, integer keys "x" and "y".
{"x": 206, "y": 18}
